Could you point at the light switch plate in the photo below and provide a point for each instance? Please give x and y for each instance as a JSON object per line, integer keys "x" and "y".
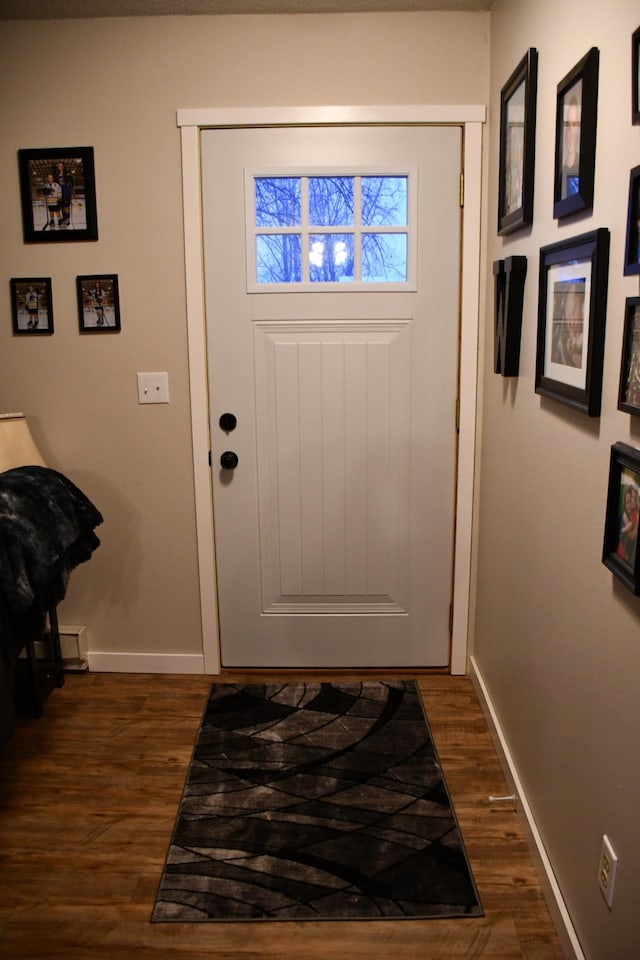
{"x": 153, "y": 387}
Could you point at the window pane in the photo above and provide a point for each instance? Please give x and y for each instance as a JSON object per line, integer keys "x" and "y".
{"x": 384, "y": 201}
{"x": 330, "y": 257}
{"x": 384, "y": 257}
{"x": 279, "y": 258}
{"x": 277, "y": 201}
{"x": 330, "y": 201}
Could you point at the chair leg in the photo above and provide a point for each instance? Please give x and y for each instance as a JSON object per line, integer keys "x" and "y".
{"x": 32, "y": 667}
{"x": 56, "y": 651}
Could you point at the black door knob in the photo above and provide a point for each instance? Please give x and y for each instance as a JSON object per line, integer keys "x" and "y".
{"x": 229, "y": 460}
{"x": 228, "y": 422}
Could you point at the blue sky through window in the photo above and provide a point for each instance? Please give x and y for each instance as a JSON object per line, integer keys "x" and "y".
{"x": 334, "y": 220}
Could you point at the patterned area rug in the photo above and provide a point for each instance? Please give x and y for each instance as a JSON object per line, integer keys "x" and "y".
{"x": 309, "y": 801}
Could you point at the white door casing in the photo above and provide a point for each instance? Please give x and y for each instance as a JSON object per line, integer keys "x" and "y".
{"x": 191, "y": 122}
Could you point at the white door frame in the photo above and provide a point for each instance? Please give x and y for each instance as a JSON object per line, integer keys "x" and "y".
{"x": 471, "y": 118}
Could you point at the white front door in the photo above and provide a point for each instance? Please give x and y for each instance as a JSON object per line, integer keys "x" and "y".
{"x": 334, "y": 534}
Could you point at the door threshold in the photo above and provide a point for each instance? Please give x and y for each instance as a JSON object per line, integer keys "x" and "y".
{"x": 230, "y": 674}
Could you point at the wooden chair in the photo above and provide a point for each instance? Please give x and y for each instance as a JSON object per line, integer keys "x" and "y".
{"x": 18, "y": 449}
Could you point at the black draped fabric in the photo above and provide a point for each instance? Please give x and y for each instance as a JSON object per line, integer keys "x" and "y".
{"x": 46, "y": 530}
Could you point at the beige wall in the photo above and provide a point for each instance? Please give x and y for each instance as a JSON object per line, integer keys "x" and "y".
{"x": 116, "y": 85}
{"x": 557, "y": 637}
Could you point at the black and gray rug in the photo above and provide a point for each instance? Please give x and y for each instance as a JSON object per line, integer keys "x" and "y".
{"x": 309, "y": 801}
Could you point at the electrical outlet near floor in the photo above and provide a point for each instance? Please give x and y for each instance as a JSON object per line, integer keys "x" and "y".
{"x": 607, "y": 870}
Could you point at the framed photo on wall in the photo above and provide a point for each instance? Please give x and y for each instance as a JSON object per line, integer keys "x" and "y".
{"x": 575, "y": 150}
{"x": 629, "y": 390}
{"x": 635, "y": 77}
{"x": 98, "y": 303}
{"x": 58, "y": 194}
{"x": 572, "y": 303}
{"x": 517, "y": 145}
{"x": 620, "y": 544}
{"x": 510, "y": 275}
{"x": 31, "y": 305}
{"x": 632, "y": 245}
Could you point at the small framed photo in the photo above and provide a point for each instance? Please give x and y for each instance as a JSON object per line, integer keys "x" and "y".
{"x": 629, "y": 390}
{"x": 517, "y": 145}
{"x": 58, "y": 193}
{"x": 98, "y": 303}
{"x": 620, "y": 545}
{"x": 31, "y": 305}
{"x": 572, "y": 304}
{"x": 576, "y": 117}
{"x": 632, "y": 247}
{"x": 635, "y": 77}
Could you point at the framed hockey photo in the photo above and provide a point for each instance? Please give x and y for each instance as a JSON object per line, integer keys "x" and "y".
{"x": 58, "y": 194}
{"x": 632, "y": 246}
{"x": 572, "y": 305}
{"x": 31, "y": 305}
{"x": 576, "y": 117}
{"x": 629, "y": 390}
{"x": 517, "y": 145}
{"x": 620, "y": 545}
{"x": 635, "y": 77}
{"x": 98, "y": 303}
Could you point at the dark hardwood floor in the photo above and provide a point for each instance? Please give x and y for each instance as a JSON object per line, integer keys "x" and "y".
{"x": 88, "y": 797}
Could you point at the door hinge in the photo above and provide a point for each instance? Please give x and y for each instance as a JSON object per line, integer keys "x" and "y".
{"x": 458, "y": 415}
{"x": 462, "y": 188}
{"x": 450, "y": 619}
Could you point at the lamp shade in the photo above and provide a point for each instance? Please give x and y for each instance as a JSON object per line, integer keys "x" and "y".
{"x": 17, "y": 446}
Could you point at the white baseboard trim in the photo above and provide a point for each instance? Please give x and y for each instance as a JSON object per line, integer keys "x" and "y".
{"x": 145, "y": 662}
{"x": 555, "y": 901}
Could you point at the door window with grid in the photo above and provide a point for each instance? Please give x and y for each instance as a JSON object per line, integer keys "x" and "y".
{"x": 328, "y": 231}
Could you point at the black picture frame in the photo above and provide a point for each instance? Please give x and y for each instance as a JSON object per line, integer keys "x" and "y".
{"x": 619, "y": 547}
{"x": 58, "y": 194}
{"x": 510, "y": 275}
{"x": 98, "y": 303}
{"x": 629, "y": 389}
{"x": 635, "y": 77}
{"x": 572, "y": 305}
{"x": 632, "y": 242}
{"x": 31, "y": 306}
{"x": 516, "y": 175}
{"x": 575, "y": 148}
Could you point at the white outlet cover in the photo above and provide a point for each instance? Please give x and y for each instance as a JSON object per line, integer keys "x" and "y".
{"x": 608, "y": 854}
{"x": 153, "y": 387}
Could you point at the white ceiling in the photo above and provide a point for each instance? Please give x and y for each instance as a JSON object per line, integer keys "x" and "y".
{"x": 83, "y": 9}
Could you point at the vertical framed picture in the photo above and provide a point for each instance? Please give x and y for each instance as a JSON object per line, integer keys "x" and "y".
{"x": 572, "y": 304}
{"x": 620, "y": 544}
{"x": 58, "y": 194}
{"x": 31, "y": 305}
{"x": 575, "y": 149}
{"x": 635, "y": 77}
{"x": 629, "y": 389}
{"x": 632, "y": 245}
{"x": 509, "y": 282}
{"x": 98, "y": 303}
{"x": 517, "y": 145}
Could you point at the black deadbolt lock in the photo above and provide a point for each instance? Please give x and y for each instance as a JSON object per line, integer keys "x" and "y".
{"x": 228, "y": 422}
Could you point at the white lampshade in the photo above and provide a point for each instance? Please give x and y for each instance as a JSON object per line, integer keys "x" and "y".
{"x": 17, "y": 446}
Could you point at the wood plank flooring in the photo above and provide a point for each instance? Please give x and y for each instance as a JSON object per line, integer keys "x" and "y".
{"x": 88, "y": 798}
